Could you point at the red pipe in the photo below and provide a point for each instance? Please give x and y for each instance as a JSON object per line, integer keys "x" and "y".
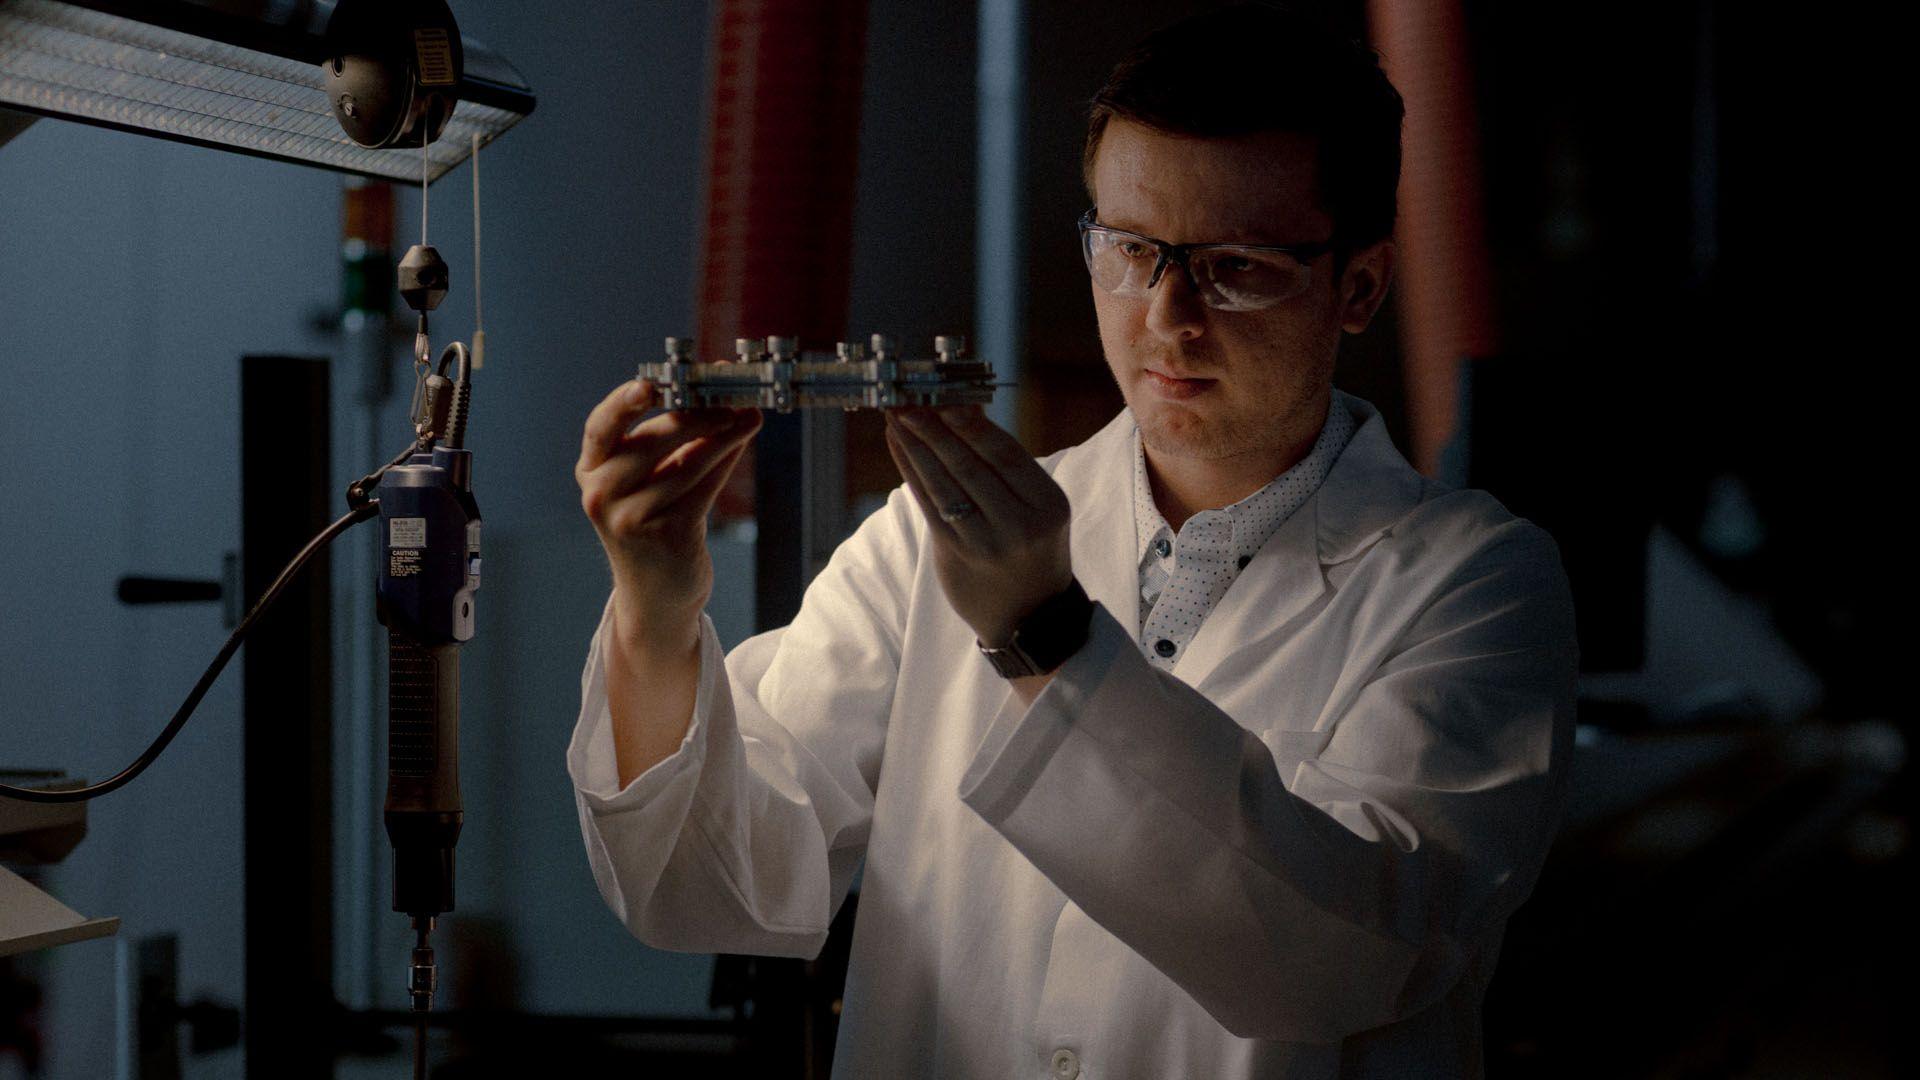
{"x": 1444, "y": 280}
{"x": 782, "y": 145}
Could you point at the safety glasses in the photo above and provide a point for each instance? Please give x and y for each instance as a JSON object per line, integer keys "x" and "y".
{"x": 1227, "y": 277}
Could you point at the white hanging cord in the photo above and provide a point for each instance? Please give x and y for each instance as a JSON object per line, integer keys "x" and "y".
{"x": 422, "y": 347}
{"x": 479, "y": 322}
{"x": 424, "y": 161}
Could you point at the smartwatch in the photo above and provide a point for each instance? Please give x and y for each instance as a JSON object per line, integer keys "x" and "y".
{"x": 1048, "y": 635}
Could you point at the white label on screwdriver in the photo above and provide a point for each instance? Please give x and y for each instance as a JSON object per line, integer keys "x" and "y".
{"x": 407, "y": 533}
{"x": 433, "y": 51}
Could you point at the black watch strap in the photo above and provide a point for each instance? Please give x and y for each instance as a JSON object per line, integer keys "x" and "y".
{"x": 1048, "y": 635}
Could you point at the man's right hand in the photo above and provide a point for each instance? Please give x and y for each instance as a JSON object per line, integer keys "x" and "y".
{"x": 648, "y": 490}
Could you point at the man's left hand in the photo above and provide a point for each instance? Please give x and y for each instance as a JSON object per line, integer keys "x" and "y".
{"x": 998, "y": 522}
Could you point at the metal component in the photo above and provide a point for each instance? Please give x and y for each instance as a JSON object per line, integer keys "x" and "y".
{"x": 160, "y": 590}
{"x": 423, "y": 978}
{"x": 392, "y": 70}
{"x": 423, "y": 278}
{"x": 422, "y": 367}
{"x": 436, "y": 407}
{"x": 774, "y": 375}
{"x": 783, "y": 350}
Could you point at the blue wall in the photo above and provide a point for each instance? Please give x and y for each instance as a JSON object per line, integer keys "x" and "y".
{"x": 133, "y": 275}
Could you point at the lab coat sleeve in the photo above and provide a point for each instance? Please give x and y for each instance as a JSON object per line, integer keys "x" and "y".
{"x": 746, "y": 838}
{"x": 1349, "y": 890}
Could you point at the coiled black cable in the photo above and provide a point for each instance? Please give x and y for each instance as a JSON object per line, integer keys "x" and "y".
{"x": 351, "y": 518}
{"x": 363, "y": 507}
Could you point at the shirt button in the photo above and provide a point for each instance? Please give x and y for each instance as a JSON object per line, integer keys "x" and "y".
{"x": 1165, "y": 647}
{"x": 1162, "y": 548}
{"x": 1066, "y": 1064}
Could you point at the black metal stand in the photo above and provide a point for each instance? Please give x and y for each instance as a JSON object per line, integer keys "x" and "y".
{"x": 287, "y": 721}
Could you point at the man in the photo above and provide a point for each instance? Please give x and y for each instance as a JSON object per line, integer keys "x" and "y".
{"x": 1258, "y": 801}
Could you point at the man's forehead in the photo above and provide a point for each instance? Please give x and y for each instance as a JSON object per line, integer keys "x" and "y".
{"x": 1256, "y": 188}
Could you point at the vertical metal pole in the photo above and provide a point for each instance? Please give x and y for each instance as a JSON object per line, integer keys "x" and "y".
{"x": 800, "y": 481}
{"x": 367, "y": 346}
{"x": 780, "y": 497}
{"x": 287, "y": 721}
{"x": 1000, "y": 281}
{"x": 823, "y": 446}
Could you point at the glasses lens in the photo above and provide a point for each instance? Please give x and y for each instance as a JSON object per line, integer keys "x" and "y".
{"x": 1120, "y": 264}
{"x": 1239, "y": 279}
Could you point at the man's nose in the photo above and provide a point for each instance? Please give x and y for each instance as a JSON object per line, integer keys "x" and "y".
{"x": 1174, "y": 309}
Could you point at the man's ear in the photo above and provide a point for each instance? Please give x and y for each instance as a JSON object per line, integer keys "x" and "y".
{"x": 1363, "y": 285}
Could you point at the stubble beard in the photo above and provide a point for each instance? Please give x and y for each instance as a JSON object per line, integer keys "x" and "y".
{"x": 1173, "y": 431}
{"x": 1213, "y": 432}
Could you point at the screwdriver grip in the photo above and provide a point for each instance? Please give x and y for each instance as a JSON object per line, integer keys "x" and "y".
{"x": 423, "y": 812}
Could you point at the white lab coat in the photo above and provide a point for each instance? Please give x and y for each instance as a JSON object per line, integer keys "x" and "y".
{"x": 1291, "y": 857}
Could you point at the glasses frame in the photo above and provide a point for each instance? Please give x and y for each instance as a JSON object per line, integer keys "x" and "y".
{"x": 1177, "y": 254}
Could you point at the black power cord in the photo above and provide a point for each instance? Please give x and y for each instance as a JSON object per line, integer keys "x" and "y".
{"x": 363, "y": 508}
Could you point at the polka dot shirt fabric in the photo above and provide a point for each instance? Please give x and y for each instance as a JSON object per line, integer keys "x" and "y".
{"x": 1183, "y": 576}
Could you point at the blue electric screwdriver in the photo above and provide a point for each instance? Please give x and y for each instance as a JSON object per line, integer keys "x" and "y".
{"x": 429, "y": 572}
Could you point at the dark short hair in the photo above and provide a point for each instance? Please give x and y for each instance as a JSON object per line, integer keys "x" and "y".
{"x": 1256, "y": 68}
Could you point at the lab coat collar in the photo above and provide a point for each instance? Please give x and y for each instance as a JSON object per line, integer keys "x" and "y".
{"x": 1369, "y": 488}
{"x": 1098, "y": 479}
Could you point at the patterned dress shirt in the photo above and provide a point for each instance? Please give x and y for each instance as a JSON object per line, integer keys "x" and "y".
{"x": 1183, "y": 576}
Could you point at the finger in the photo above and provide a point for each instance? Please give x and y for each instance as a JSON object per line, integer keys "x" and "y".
{"x": 610, "y": 419}
{"x": 661, "y": 480}
{"x": 638, "y": 452}
{"x": 914, "y": 484}
{"x": 1024, "y": 476}
{"x": 665, "y": 444}
{"x": 700, "y": 496}
{"x": 671, "y": 483}
{"x": 941, "y": 491}
{"x": 978, "y": 481}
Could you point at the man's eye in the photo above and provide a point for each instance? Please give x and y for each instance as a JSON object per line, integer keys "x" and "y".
{"x": 1133, "y": 249}
{"x": 1234, "y": 264}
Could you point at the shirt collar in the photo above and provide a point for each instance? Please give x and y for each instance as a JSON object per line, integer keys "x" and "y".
{"x": 1254, "y": 519}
